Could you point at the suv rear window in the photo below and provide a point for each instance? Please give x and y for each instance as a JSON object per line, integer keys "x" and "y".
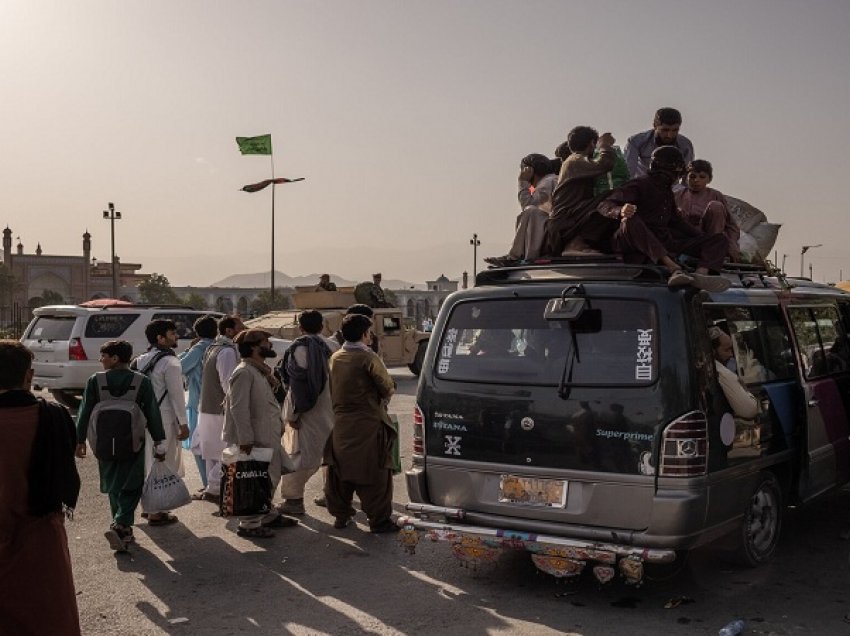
{"x": 109, "y": 325}
{"x": 510, "y": 342}
{"x": 52, "y": 328}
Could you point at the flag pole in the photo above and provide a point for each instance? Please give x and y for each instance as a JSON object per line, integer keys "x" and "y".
{"x": 271, "y": 156}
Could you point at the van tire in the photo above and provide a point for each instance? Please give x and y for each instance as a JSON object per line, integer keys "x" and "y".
{"x": 66, "y": 398}
{"x": 419, "y": 359}
{"x": 762, "y": 523}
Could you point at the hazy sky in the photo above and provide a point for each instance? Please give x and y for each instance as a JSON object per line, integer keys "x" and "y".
{"x": 408, "y": 120}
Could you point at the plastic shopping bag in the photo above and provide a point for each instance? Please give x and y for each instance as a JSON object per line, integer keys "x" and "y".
{"x": 246, "y": 488}
{"x": 164, "y": 490}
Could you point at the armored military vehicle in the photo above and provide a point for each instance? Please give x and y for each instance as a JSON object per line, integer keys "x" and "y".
{"x": 398, "y": 345}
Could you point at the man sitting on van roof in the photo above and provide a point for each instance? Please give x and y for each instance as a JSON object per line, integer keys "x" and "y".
{"x": 651, "y": 230}
{"x": 664, "y": 132}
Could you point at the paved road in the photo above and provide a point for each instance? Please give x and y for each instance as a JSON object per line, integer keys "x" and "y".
{"x": 198, "y": 577}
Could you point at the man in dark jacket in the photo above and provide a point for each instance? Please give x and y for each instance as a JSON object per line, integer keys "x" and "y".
{"x": 651, "y": 229}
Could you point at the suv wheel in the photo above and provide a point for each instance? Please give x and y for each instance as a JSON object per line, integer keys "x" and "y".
{"x": 416, "y": 366}
{"x": 759, "y": 533}
{"x": 66, "y": 398}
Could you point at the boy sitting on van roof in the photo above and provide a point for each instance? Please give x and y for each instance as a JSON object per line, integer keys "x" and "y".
{"x": 651, "y": 229}
{"x": 706, "y": 208}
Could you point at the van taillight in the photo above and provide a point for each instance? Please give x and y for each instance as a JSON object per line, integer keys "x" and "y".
{"x": 684, "y": 446}
{"x": 418, "y": 431}
{"x": 76, "y": 351}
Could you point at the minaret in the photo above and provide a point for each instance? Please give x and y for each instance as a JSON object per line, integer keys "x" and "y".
{"x": 87, "y": 247}
{"x": 7, "y": 246}
{"x": 38, "y": 250}
{"x": 20, "y": 247}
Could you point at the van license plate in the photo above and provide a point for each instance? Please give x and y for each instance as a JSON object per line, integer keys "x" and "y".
{"x": 533, "y": 491}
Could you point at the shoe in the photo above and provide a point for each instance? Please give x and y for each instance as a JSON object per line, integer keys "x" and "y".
{"x": 203, "y": 495}
{"x": 321, "y": 501}
{"x": 292, "y": 507}
{"x": 710, "y": 283}
{"x": 341, "y": 522}
{"x": 261, "y": 532}
{"x": 115, "y": 540}
{"x": 165, "y": 520}
{"x": 281, "y": 522}
{"x": 385, "y": 526}
{"x": 679, "y": 279}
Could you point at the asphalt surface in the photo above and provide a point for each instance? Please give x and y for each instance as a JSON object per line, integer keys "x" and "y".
{"x": 198, "y": 577}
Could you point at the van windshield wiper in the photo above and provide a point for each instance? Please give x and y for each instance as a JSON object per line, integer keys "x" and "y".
{"x": 573, "y": 356}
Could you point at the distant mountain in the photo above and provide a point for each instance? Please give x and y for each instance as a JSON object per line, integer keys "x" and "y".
{"x": 263, "y": 279}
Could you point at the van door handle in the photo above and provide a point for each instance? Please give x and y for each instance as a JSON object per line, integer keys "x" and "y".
{"x": 813, "y": 403}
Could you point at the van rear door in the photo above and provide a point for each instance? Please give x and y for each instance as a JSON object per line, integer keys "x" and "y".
{"x": 499, "y": 438}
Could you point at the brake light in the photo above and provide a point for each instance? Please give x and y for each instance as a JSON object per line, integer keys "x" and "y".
{"x": 418, "y": 431}
{"x": 684, "y": 446}
{"x": 76, "y": 351}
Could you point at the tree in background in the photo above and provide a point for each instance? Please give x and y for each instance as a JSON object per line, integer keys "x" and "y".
{"x": 262, "y": 304}
{"x": 48, "y": 297}
{"x": 195, "y": 301}
{"x": 156, "y": 290}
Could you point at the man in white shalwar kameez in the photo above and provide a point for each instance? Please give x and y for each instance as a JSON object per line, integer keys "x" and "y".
{"x": 306, "y": 429}
{"x": 220, "y": 360}
{"x": 166, "y": 376}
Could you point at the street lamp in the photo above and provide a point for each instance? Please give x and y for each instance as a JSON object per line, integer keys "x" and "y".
{"x": 112, "y": 215}
{"x": 784, "y": 256}
{"x": 474, "y": 242}
{"x": 803, "y": 251}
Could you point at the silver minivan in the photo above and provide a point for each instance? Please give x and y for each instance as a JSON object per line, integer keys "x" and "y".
{"x": 66, "y": 340}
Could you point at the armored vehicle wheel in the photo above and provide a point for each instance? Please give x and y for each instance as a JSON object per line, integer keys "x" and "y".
{"x": 762, "y": 522}
{"x": 416, "y": 366}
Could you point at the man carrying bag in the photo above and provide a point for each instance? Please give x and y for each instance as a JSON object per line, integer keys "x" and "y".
{"x": 252, "y": 421}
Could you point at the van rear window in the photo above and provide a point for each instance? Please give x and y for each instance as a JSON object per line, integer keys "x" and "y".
{"x": 510, "y": 342}
{"x": 52, "y": 328}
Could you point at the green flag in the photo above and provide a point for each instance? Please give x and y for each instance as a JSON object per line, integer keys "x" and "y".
{"x": 261, "y": 145}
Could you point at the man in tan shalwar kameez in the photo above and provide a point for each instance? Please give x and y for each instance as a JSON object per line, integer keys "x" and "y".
{"x": 358, "y": 453}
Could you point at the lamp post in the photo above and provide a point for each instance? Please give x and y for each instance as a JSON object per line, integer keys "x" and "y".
{"x": 112, "y": 215}
{"x": 803, "y": 251}
{"x": 474, "y": 242}
{"x": 784, "y": 256}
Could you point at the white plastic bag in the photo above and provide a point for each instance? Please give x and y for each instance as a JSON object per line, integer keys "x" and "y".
{"x": 164, "y": 490}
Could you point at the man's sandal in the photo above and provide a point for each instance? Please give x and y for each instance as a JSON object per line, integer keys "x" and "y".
{"x": 255, "y": 533}
{"x": 165, "y": 520}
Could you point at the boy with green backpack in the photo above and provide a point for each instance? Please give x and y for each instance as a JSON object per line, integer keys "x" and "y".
{"x": 118, "y": 406}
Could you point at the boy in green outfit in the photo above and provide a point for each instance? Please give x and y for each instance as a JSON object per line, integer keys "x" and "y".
{"x": 121, "y": 480}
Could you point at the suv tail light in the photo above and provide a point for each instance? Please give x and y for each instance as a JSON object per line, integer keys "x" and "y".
{"x": 684, "y": 446}
{"x": 418, "y": 431}
{"x": 76, "y": 351}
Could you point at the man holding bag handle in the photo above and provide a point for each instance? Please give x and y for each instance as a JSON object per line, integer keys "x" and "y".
{"x": 252, "y": 419}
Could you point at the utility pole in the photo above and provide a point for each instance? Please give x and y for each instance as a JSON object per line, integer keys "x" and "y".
{"x": 803, "y": 251}
{"x": 112, "y": 215}
{"x": 784, "y": 256}
{"x": 474, "y": 242}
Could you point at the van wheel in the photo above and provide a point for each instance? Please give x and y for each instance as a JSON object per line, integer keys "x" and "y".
{"x": 66, "y": 398}
{"x": 761, "y": 524}
{"x": 419, "y": 359}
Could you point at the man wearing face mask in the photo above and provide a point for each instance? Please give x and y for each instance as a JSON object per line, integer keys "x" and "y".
{"x": 252, "y": 420}
{"x": 652, "y": 231}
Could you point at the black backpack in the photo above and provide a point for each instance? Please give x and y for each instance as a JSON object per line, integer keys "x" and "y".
{"x": 162, "y": 353}
{"x": 116, "y": 429}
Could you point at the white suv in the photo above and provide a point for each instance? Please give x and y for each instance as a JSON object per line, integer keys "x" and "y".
{"x": 66, "y": 340}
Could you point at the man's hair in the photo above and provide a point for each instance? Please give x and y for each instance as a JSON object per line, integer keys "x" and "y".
{"x": 354, "y": 326}
{"x": 580, "y": 136}
{"x": 205, "y": 327}
{"x": 360, "y": 309}
{"x": 15, "y": 361}
{"x": 227, "y": 322}
{"x": 700, "y": 165}
{"x": 667, "y": 116}
{"x": 245, "y": 348}
{"x": 158, "y": 327}
{"x": 311, "y": 321}
{"x": 120, "y": 348}
{"x": 539, "y": 163}
{"x": 563, "y": 150}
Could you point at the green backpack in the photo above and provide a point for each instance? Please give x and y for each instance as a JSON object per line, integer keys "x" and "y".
{"x": 618, "y": 176}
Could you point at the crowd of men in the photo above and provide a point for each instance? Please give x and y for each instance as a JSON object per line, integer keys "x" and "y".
{"x": 325, "y": 403}
{"x": 593, "y": 200}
